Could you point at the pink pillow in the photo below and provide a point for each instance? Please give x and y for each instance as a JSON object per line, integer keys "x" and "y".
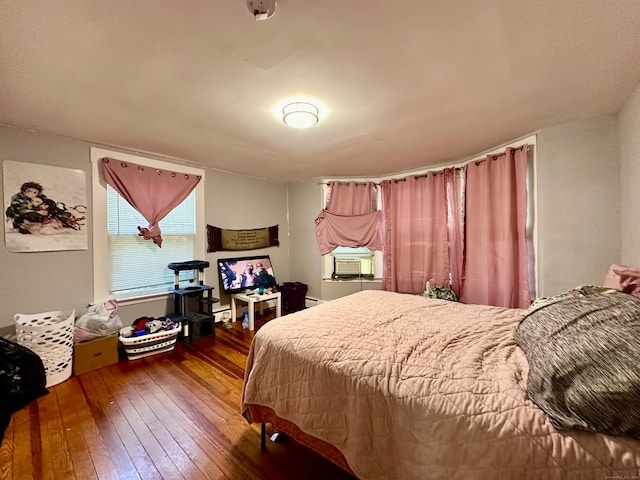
{"x": 623, "y": 278}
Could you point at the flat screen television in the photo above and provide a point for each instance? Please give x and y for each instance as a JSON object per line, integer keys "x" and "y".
{"x": 245, "y": 273}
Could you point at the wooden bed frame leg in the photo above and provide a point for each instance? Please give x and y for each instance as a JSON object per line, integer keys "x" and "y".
{"x": 263, "y": 436}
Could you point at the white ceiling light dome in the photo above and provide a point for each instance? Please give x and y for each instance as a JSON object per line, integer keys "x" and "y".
{"x": 300, "y": 114}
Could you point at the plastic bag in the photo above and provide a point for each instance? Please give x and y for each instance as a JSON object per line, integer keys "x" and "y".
{"x": 22, "y": 380}
{"x": 98, "y": 320}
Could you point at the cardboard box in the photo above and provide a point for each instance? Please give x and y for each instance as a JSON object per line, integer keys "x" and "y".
{"x": 94, "y": 354}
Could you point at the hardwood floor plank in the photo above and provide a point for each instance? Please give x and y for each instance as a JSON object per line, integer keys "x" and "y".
{"x": 223, "y": 388}
{"x": 235, "y": 437}
{"x": 22, "y": 440}
{"x": 148, "y": 425}
{"x": 56, "y": 454}
{"x": 185, "y": 434}
{"x": 219, "y": 409}
{"x": 7, "y": 451}
{"x": 225, "y": 359}
{"x": 151, "y": 451}
{"x": 209, "y": 419}
{"x": 101, "y": 405}
{"x": 82, "y": 445}
{"x": 134, "y": 446}
{"x": 77, "y": 409}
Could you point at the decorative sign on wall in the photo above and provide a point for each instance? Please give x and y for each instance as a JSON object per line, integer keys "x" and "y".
{"x": 45, "y": 208}
{"x": 220, "y": 239}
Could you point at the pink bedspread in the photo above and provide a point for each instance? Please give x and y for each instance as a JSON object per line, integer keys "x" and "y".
{"x": 413, "y": 388}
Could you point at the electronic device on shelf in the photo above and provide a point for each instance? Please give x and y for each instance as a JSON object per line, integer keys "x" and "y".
{"x": 242, "y": 274}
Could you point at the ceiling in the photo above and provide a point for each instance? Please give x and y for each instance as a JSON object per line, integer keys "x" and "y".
{"x": 404, "y": 83}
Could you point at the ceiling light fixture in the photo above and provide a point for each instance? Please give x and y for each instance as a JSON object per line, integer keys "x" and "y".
{"x": 300, "y": 114}
{"x": 261, "y": 9}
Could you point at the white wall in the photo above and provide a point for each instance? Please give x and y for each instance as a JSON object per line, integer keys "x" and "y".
{"x": 305, "y": 202}
{"x": 630, "y": 175}
{"x": 44, "y": 281}
{"x": 578, "y": 204}
{"x": 237, "y": 202}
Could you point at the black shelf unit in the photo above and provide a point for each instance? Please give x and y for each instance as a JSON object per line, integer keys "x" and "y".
{"x": 194, "y": 324}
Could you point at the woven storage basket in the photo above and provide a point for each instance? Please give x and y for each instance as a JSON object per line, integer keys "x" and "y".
{"x": 50, "y": 336}
{"x": 150, "y": 344}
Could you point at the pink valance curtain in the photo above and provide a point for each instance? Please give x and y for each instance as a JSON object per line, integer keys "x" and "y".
{"x": 416, "y": 231}
{"x": 350, "y": 218}
{"x": 495, "y": 266}
{"x": 152, "y": 192}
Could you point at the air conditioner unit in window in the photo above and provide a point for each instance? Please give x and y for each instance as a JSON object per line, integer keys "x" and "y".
{"x": 344, "y": 267}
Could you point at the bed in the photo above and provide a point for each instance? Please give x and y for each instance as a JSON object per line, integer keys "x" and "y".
{"x": 394, "y": 386}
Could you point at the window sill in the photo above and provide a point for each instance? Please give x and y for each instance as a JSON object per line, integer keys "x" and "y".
{"x": 352, "y": 280}
{"x": 151, "y": 297}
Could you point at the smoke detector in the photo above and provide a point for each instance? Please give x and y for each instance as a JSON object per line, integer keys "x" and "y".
{"x": 261, "y": 9}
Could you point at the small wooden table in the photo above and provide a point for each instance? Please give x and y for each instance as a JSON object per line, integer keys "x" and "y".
{"x": 251, "y": 299}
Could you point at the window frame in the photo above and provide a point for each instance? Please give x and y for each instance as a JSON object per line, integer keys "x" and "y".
{"x": 101, "y": 260}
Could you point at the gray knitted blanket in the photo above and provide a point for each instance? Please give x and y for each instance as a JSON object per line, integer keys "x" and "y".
{"x": 584, "y": 359}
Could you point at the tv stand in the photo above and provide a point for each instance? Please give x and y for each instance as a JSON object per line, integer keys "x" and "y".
{"x": 251, "y": 299}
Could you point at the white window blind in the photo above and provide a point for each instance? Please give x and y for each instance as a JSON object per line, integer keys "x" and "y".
{"x": 138, "y": 266}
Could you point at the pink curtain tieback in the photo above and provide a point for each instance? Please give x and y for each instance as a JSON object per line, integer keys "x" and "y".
{"x": 152, "y": 233}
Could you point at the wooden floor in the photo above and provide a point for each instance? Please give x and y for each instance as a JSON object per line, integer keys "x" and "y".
{"x": 169, "y": 416}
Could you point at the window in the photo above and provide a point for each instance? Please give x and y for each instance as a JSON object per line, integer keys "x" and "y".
{"x": 340, "y": 261}
{"x": 130, "y": 254}
{"x": 125, "y": 265}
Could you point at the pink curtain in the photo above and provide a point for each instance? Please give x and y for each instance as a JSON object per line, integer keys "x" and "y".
{"x": 152, "y": 192}
{"x": 351, "y": 218}
{"x": 416, "y": 232}
{"x": 352, "y": 198}
{"x": 495, "y": 265}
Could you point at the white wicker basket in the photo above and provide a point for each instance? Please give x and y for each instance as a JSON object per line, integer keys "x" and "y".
{"x": 150, "y": 344}
{"x": 50, "y": 336}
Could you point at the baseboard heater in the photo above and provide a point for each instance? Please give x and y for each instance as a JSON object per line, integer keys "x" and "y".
{"x": 312, "y": 302}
